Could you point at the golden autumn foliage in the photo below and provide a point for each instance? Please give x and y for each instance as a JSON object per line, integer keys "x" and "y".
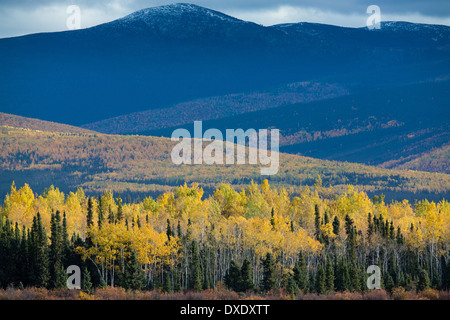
{"x": 229, "y": 225}
{"x": 237, "y": 216}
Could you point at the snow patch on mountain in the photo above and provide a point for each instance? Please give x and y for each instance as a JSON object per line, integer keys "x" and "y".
{"x": 175, "y": 10}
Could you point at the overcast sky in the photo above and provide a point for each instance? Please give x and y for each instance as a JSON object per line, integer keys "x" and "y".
{"x": 19, "y": 17}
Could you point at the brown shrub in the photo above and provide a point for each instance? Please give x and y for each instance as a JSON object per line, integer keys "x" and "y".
{"x": 444, "y": 295}
{"x": 33, "y": 293}
{"x": 110, "y": 293}
{"x": 430, "y": 294}
{"x": 399, "y": 293}
{"x": 85, "y": 296}
{"x": 347, "y": 295}
{"x": 376, "y": 294}
{"x": 221, "y": 293}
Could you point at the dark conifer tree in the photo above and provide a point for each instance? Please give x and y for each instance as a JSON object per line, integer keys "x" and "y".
{"x": 445, "y": 274}
{"x": 436, "y": 282}
{"x": 86, "y": 284}
{"x": 301, "y": 272}
{"x": 355, "y": 277}
{"x": 119, "y": 208}
{"x": 57, "y": 274}
{"x": 89, "y": 221}
{"x": 399, "y": 236}
{"x": 269, "y": 280}
{"x": 321, "y": 280}
{"x": 167, "y": 284}
{"x": 233, "y": 277}
{"x": 329, "y": 276}
{"x": 24, "y": 263}
{"x": 101, "y": 214}
{"x": 272, "y": 219}
{"x": 40, "y": 269}
{"x": 133, "y": 277}
{"x": 343, "y": 277}
{"x": 317, "y": 222}
{"x": 111, "y": 217}
{"x": 169, "y": 231}
{"x": 246, "y": 276}
{"x": 291, "y": 286}
{"x": 392, "y": 231}
{"x": 179, "y": 233}
{"x": 348, "y": 224}
{"x": 195, "y": 282}
{"x": 424, "y": 282}
{"x": 370, "y": 228}
{"x": 336, "y": 225}
{"x": 90, "y": 213}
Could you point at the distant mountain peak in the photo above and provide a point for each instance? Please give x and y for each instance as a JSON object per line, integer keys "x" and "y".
{"x": 410, "y": 26}
{"x": 176, "y": 10}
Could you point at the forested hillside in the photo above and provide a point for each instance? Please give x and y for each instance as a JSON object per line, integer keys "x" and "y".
{"x": 139, "y": 165}
{"x": 11, "y": 120}
{"x": 385, "y": 127}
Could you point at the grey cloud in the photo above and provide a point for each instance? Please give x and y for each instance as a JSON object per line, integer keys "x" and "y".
{"x": 438, "y": 8}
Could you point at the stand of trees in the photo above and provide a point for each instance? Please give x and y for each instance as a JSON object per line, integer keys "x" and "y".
{"x": 258, "y": 239}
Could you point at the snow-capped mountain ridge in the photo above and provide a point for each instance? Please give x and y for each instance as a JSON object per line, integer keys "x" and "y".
{"x": 410, "y": 26}
{"x": 178, "y": 14}
{"x": 179, "y": 21}
{"x": 175, "y": 10}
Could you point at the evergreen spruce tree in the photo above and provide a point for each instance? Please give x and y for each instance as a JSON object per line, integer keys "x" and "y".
{"x": 400, "y": 239}
{"x": 445, "y": 274}
{"x": 89, "y": 222}
{"x": 101, "y": 214}
{"x": 321, "y": 280}
{"x": 111, "y": 217}
{"x": 292, "y": 287}
{"x": 41, "y": 274}
{"x": 169, "y": 231}
{"x": 167, "y": 284}
{"x": 436, "y": 282}
{"x": 329, "y": 276}
{"x": 67, "y": 251}
{"x": 355, "y": 278}
{"x": 24, "y": 262}
{"x": 119, "y": 209}
{"x": 392, "y": 231}
{"x": 301, "y": 273}
{"x": 90, "y": 213}
{"x": 317, "y": 232}
{"x": 177, "y": 281}
{"x": 86, "y": 284}
{"x": 388, "y": 282}
{"x": 348, "y": 224}
{"x": 370, "y": 227}
{"x": 57, "y": 273}
{"x": 179, "y": 233}
{"x": 233, "y": 277}
{"x": 133, "y": 277}
{"x": 343, "y": 277}
{"x": 336, "y": 225}
{"x": 272, "y": 219}
{"x": 269, "y": 280}
{"x": 138, "y": 222}
{"x": 424, "y": 281}
{"x": 195, "y": 281}
{"x": 246, "y": 282}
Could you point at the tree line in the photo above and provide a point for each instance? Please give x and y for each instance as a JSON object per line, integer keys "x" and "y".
{"x": 258, "y": 239}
